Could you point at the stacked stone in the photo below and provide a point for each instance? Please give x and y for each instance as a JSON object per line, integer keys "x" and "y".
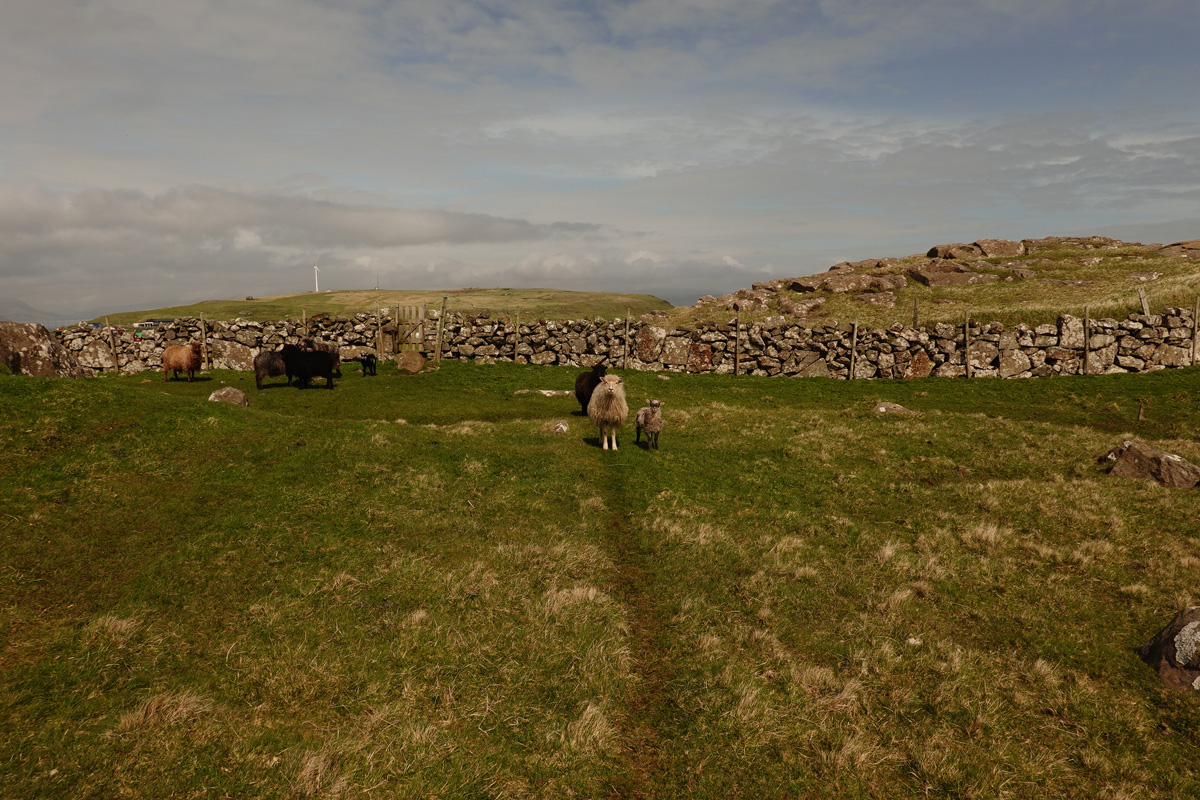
{"x": 232, "y": 344}
{"x": 777, "y": 346}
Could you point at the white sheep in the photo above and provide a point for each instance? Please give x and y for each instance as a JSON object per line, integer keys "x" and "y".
{"x": 607, "y": 408}
{"x": 649, "y": 419}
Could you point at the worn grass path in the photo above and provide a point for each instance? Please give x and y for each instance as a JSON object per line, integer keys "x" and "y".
{"x": 413, "y": 587}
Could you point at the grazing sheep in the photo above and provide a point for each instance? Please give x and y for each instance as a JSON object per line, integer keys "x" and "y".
{"x": 269, "y": 363}
{"x": 586, "y": 383}
{"x": 308, "y": 364}
{"x": 607, "y": 409}
{"x": 181, "y": 358}
{"x": 649, "y": 419}
{"x": 325, "y": 347}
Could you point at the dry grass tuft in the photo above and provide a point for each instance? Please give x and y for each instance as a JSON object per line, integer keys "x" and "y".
{"x": 591, "y": 732}
{"x": 111, "y": 630}
{"x": 163, "y": 711}
{"x": 557, "y": 601}
{"x": 318, "y": 776}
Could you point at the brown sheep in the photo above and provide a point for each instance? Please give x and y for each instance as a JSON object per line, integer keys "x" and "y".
{"x": 181, "y": 358}
{"x": 607, "y": 409}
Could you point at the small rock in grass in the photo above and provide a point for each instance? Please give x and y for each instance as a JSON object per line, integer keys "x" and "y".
{"x": 229, "y": 395}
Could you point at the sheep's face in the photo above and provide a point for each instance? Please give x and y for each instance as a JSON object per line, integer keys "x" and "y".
{"x": 610, "y": 384}
{"x": 655, "y": 403}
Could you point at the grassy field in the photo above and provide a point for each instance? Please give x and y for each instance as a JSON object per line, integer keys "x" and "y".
{"x": 409, "y": 586}
{"x": 527, "y": 303}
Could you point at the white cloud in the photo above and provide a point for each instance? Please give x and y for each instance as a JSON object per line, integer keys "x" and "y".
{"x": 656, "y": 145}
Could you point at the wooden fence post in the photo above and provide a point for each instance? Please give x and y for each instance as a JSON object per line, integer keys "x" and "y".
{"x": 517, "y": 334}
{"x": 1087, "y": 341}
{"x": 853, "y": 350}
{"x": 204, "y": 359}
{"x": 737, "y": 342}
{"x": 1195, "y": 330}
{"x": 378, "y": 332}
{"x": 112, "y": 344}
{"x": 915, "y": 311}
{"x": 1145, "y": 302}
{"x": 441, "y": 324}
{"x": 625, "y": 355}
{"x": 967, "y": 343}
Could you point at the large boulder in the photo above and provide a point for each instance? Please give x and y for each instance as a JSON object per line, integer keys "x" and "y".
{"x": 947, "y": 274}
{"x": 1175, "y": 651}
{"x": 1136, "y": 459}
{"x": 957, "y": 251}
{"x": 27, "y": 348}
{"x": 649, "y": 342}
{"x": 225, "y": 354}
{"x": 411, "y": 362}
{"x": 1000, "y": 248}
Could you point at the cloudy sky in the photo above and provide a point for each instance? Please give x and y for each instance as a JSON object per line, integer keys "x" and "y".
{"x": 156, "y": 152}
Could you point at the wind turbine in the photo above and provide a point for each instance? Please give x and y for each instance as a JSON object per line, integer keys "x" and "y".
{"x": 316, "y": 278}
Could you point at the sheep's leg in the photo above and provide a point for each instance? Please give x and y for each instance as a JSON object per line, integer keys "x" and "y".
{"x": 614, "y": 438}
{"x": 603, "y": 438}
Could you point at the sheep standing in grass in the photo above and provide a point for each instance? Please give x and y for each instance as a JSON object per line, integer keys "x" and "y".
{"x": 181, "y": 358}
{"x": 586, "y": 383}
{"x": 269, "y": 363}
{"x": 649, "y": 419}
{"x": 607, "y": 409}
{"x": 319, "y": 345}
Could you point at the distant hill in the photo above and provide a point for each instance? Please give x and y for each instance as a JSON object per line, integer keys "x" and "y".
{"x": 13, "y": 310}
{"x": 526, "y": 303}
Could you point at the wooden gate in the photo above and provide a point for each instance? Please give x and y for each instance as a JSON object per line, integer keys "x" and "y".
{"x": 405, "y": 332}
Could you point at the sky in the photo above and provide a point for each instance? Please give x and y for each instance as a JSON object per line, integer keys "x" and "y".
{"x": 158, "y": 153}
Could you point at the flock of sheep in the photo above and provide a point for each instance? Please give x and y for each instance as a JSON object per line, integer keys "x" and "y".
{"x": 600, "y": 395}
{"x": 602, "y": 398}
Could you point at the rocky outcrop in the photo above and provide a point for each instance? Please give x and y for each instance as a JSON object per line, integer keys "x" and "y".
{"x": 945, "y": 273}
{"x": 27, "y": 348}
{"x": 1189, "y": 249}
{"x": 1175, "y": 651}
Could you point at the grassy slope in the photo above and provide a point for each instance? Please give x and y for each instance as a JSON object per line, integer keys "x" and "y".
{"x": 527, "y": 303}
{"x": 1111, "y": 293}
{"x": 410, "y": 587}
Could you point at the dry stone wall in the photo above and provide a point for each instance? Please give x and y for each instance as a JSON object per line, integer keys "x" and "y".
{"x": 1138, "y": 343}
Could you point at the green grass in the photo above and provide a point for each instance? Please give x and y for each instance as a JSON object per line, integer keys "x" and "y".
{"x": 526, "y": 303}
{"x": 410, "y": 586}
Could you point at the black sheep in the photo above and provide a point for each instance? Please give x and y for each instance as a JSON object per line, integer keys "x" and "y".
{"x": 308, "y": 364}
{"x": 368, "y": 361}
{"x": 586, "y": 383}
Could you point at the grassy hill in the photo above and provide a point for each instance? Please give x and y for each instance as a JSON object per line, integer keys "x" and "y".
{"x": 411, "y": 587}
{"x": 528, "y": 303}
{"x": 1067, "y": 277}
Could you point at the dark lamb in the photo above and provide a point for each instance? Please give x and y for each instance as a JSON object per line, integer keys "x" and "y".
{"x": 586, "y": 383}
{"x": 368, "y": 361}
{"x": 308, "y": 364}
